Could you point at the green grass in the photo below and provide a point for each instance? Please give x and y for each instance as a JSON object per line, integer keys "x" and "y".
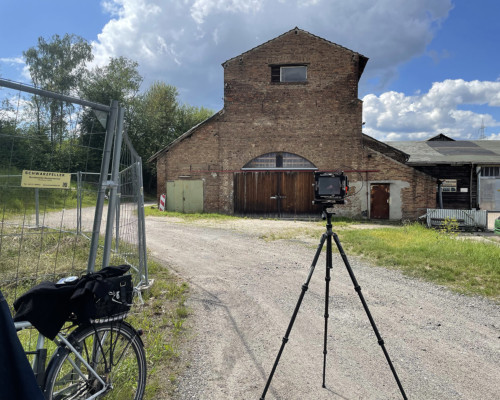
{"x": 162, "y": 318}
{"x": 465, "y": 266}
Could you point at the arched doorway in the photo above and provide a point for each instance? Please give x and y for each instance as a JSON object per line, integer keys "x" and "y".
{"x": 275, "y": 184}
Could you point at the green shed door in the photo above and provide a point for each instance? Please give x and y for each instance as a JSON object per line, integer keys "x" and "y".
{"x": 185, "y": 196}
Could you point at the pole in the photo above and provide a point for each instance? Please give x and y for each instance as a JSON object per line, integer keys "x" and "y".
{"x": 108, "y": 239}
{"x": 106, "y": 156}
{"x": 37, "y": 207}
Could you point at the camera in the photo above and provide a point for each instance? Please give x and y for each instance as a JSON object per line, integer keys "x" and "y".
{"x": 330, "y": 188}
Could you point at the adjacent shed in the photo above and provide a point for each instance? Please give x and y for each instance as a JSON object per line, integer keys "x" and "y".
{"x": 468, "y": 171}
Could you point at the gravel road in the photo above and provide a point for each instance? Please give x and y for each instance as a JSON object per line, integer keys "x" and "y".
{"x": 244, "y": 291}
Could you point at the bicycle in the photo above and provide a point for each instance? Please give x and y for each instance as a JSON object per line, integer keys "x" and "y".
{"x": 99, "y": 359}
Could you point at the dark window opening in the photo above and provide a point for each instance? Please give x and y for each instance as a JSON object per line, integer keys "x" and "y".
{"x": 279, "y": 160}
{"x": 289, "y": 73}
{"x": 491, "y": 171}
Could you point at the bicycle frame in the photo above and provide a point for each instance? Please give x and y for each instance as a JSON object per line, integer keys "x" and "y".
{"x": 39, "y": 364}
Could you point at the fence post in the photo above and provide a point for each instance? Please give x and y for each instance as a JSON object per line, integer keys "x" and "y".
{"x": 79, "y": 202}
{"x": 142, "y": 227}
{"x": 103, "y": 178}
{"x": 37, "y": 207}
{"x": 115, "y": 169}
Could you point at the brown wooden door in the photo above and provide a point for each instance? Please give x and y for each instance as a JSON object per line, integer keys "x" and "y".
{"x": 253, "y": 192}
{"x": 379, "y": 208}
{"x": 274, "y": 193}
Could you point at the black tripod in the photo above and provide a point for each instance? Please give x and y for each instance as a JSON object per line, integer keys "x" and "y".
{"x": 328, "y": 237}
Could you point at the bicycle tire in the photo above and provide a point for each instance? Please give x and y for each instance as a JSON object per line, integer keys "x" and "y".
{"x": 125, "y": 377}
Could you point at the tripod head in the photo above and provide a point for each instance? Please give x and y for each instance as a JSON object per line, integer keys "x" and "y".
{"x": 327, "y": 211}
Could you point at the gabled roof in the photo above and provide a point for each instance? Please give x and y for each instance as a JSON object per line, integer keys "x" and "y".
{"x": 362, "y": 59}
{"x": 182, "y": 137}
{"x": 454, "y": 152}
{"x": 441, "y": 137}
{"x": 385, "y": 149}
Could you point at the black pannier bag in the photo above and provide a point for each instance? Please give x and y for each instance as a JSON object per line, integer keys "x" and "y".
{"x": 101, "y": 296}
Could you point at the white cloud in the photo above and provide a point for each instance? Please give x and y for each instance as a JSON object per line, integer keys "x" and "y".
{"x": 12, "y": 60}
{"x": 202, "y": 8}
{"x": 184, "y": 42}
{"x": 395, "y": 116}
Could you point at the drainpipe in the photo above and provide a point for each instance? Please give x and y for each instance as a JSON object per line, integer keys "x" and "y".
{"x": 368, "y": 205}
{"x": 470, "y": 184}
{"x": 479, "y": 173}
{"x": 440, "y": 194}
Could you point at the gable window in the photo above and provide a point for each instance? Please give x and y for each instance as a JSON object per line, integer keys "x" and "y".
{"x": 289, "y": 73}
{"x": 280, "y": 160}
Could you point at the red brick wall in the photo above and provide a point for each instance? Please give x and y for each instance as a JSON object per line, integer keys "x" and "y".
{"x": 319, "y": 120}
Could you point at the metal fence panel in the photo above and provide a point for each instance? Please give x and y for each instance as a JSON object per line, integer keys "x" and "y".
{"x": 466, "y": 219}
{"x": 49, "y": 233}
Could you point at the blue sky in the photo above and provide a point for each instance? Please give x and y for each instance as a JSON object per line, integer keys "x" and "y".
{"x": 434, "y": 65}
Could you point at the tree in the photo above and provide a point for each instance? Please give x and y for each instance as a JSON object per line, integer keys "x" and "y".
{"x": 157, "y": 120}
{"x": 119, "y": 80}
{"x": 57, "y": 65}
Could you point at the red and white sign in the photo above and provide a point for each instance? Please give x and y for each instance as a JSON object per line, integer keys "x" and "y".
{"x": 161, "y": 207}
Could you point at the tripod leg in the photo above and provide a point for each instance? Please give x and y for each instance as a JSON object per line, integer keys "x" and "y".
{"x": 305, "y": 286}
{"x": 327, "y": 288}
{"x": 365, "y": 306}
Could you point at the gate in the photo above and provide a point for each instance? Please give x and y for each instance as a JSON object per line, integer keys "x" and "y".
{"x": 95, "y": 219}
{"x": 274, "y": 193}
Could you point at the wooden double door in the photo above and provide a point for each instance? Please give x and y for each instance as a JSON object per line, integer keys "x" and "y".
{"x": 274, "y": 193}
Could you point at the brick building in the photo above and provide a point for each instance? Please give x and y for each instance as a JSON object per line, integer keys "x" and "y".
{"x": 290, "y": 107}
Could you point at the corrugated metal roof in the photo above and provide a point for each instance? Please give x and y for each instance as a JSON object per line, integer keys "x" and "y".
{"x": 450, "y": 152}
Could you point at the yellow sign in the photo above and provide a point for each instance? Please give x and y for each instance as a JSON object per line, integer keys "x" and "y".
{"x": 45, "y": 179}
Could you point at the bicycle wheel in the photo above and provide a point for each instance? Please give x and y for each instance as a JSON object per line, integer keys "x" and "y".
{"x": 114, "y": 350}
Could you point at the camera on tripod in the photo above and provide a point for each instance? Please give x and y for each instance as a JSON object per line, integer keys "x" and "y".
{"x": 330, "y": 188}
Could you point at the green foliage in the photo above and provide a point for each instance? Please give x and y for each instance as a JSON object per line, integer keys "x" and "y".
{"x": 163, "y": 319}
{"x": 450, "y": 226}
{"x": 57, "y": 65}
{"x": 118, "y": 80}
{"x": 157, "y": 119}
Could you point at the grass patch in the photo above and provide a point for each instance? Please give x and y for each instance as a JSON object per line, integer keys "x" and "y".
{"x": 465, "y": 266}
{"x": 162, "y": 318}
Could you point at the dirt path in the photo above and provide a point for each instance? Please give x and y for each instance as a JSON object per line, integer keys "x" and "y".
{"x": 244, "y": 291}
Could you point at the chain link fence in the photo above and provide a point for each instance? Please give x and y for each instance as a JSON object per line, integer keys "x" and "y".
{"x": 71, "y": 193}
